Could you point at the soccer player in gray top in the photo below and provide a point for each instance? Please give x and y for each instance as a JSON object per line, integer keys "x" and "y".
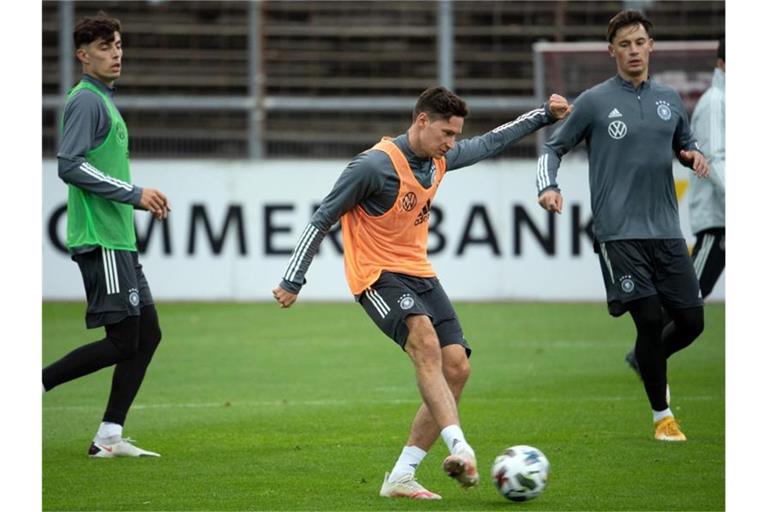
{"x": 633, "y": 128}
{"x": 383, "y": 199}
{"x": 93, "y": 161}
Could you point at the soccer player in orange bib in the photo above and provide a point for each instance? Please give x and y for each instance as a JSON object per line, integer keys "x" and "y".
{"x": 383, "y": 199}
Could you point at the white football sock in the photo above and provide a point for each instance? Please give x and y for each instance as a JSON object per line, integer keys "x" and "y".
{"x": 658, "y": 415}
{"x": 453, "y": 437}
{"x": 407, "y": 463}
{"x": 109, "y": 432}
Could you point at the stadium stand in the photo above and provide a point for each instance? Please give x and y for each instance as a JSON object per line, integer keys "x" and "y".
{"x": 332, "y": 49}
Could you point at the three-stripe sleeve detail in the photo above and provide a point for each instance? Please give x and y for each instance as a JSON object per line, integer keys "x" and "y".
{"x": 305, "y": 241}
{"x": 95, "y": 173}
{"x": 520, "y": 119}
{"x": 542, "y": 176}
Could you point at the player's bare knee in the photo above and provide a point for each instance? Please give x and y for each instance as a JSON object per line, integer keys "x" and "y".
{"x": 456, "y": 372}
{"x": 424, "y": 348}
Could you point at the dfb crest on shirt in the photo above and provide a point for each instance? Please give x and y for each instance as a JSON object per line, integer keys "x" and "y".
{"x": 617, "y": 130}
{"x": 662, "y": 108}
{"x": 627, "y": 284}
{"x": 120, "y": 132}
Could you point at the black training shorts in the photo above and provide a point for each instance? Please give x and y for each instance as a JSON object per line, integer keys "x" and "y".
{"x": 634, "y": 269}
{"x": 115, "y": 285}
{"x": 395, "y": 297}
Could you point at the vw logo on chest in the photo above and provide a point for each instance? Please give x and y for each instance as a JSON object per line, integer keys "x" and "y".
{"x": 617, "y": 130}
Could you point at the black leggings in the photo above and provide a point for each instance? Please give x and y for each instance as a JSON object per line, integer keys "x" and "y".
{"x": 129, "y": 345}
{"x": 656, "y": 341}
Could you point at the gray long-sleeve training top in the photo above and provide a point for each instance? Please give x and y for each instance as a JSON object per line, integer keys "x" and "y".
{"x": 370, "y": 180}
{"x": 632, "y": 135}
{"x": 85, "y": 125}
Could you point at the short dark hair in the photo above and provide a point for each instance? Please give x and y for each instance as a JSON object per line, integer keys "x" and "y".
{"x": 721, "y": 49}
{"x": 440, "y": 103}
{"x": 101, "y": 26}
{"x": 626, "y": 18}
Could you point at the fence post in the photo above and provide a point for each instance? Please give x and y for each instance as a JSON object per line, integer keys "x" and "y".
{"x": 255, "y": 82}
{"x": 66, "y": 56}
{"x": 445, "y": 43}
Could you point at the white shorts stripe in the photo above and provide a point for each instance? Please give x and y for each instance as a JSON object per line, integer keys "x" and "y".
{"x": 107, "y": 275}
{"x": 115, "y": 275}
{"x": 604, "y": 251}
{"x": 374, "y": 302}
{"x": 701, "y": 258}
{"x": 381, "y": 300}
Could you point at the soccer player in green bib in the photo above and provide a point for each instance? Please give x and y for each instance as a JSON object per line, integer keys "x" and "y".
{"x": 93, "y": 162}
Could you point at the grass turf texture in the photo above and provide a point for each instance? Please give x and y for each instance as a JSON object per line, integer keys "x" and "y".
{"x": 257, "y": 408}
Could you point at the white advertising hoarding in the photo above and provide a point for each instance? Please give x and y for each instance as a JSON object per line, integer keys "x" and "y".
{"x": 234, "y": 224}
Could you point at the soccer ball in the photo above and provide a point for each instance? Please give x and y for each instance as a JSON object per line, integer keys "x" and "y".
{"x": 520, "y": 473}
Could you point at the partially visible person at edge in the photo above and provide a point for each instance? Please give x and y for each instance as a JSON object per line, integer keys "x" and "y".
{"x": 707, "y": 197}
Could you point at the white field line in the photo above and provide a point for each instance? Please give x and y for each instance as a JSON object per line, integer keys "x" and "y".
{"x": 344, "y": 403}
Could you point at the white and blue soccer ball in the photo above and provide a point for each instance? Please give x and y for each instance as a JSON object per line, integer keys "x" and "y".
{"x": 520, "y": 473}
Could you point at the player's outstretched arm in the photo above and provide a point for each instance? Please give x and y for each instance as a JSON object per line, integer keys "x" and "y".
{"x": 470, "y": 151}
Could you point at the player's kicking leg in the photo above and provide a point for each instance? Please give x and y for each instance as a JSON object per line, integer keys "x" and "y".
{"x": 401, "y": 481}
{"x": 424, "y": 348}
{"x": 404, "y": 309}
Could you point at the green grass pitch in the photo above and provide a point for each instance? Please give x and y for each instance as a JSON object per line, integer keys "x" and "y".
{"x": 258, "y": 408}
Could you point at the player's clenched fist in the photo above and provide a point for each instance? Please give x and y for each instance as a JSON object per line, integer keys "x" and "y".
{"x": 559, "y": 106}
{"x": 283, "y": 297}
{"x": 552, "y": 201}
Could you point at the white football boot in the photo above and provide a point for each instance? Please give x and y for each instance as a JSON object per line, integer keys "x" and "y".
{"x": 406, "y": 487}
{"x": 121, "y": 448}
{"x": 462, "y": 467}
